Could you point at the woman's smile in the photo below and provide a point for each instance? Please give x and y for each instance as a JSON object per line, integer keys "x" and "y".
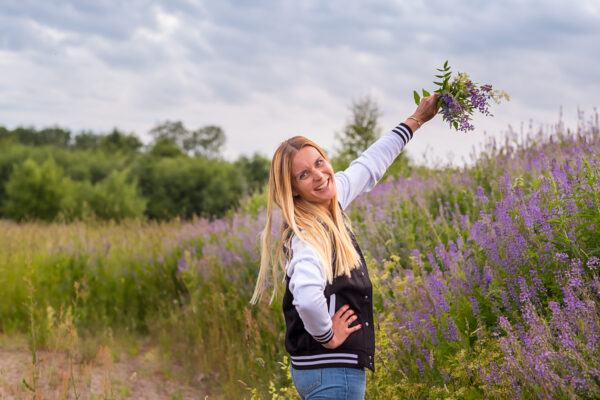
{"x": 322, "y": 186}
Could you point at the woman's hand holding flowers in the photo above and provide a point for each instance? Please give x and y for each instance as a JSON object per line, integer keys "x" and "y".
{"x": 426, "y": 110}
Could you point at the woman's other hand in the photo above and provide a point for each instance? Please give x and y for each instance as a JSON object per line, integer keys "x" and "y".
{"x": 426, "y": 110}
{"x": 341, "y": 321}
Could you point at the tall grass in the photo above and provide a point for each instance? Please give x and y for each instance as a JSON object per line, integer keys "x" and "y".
{"x": 486, "y": 280}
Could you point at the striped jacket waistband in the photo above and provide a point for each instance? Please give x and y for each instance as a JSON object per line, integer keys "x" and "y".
{"x": 328, "y": 358}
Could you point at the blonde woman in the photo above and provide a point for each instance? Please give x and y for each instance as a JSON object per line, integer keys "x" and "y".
{"x": 327, "y": 303}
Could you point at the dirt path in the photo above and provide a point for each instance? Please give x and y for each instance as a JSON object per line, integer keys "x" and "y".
{"x": 127, "y": 377}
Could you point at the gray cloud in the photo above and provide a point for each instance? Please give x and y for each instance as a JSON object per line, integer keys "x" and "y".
{"x": 131, "y": 64}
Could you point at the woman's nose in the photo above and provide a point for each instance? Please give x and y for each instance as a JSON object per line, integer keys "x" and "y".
{"x": 318, "y": 176}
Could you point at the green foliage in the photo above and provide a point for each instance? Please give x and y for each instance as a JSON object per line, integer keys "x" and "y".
{"x": 79, "y": 172}
{"x": 443, "y": 85}
{"x": 11, "y": 156}
{"x": 34, "y": 191}
{"x": 87, "y": 141}
{"x": 76, "y": 202}
{"x": 188, "y": 186}
{"x": 255, "y": 170}
{"x": 116, "y": 197}
{"x": 255, "y": 203}
{"x": 117, "y": 141}
{"x": 93, "y": 182}
{"x": 445, "y": 76}
{"x": 165, "y": 147}
{"x": 30, "y": 136}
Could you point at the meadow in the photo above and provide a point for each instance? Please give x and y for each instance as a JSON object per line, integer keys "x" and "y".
{"x": 486, "y": 282}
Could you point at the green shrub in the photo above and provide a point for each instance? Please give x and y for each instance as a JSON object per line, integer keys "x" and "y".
{"x": 34, "y": 191}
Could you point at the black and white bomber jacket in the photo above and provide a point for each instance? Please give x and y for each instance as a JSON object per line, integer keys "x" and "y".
{"x": 309, "y": 301}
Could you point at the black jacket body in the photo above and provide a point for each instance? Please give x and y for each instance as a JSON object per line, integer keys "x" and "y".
{"x": 359, "y": 348}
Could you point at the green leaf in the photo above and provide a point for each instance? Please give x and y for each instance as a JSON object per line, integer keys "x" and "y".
{"x": 438, "y": 83}
{"x": 417, "y": 97}
{"x": 446, "y": 64}
{"x": 448, "y": 75}
{"x": 27, "y": 385}
{"x": 425, "y": 93}
{"x": 439, "y": 76}
{"x": 455, "y": 125}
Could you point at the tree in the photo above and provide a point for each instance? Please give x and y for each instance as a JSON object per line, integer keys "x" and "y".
{"x": 30, "y": 136}
{"x": 120, "y": 141}
{"x": 165, "y": 147}
{"x": 55, "y": 136}
{"x": 6, "y": 136}
{"x": 206, "y": 141}
{"x": 360, "y": 131}
{"x": 87, "y": 141}
{"x": 117, "y": 197}
{"x": 255, "y": 170}
{"x": 187, "y": 186}
{"x": 34, "y": 191}
{"x": 172, "y": 130}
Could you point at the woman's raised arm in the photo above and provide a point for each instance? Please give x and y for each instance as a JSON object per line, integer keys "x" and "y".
{"x": 364, "y": 172}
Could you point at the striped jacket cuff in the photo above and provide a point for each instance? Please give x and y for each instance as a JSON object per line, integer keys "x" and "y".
{"x": 325, "y": 337}
{"x": 404, "y": 132}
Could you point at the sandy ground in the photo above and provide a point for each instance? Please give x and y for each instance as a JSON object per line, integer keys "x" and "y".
{"x": 127, "y": 377}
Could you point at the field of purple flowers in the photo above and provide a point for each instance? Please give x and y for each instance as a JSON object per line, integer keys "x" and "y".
{"x": 489, "y": 283}
{"x": 486, "y": 280}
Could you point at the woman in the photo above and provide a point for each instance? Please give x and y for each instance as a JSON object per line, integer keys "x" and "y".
{"x": 327, "y": 304}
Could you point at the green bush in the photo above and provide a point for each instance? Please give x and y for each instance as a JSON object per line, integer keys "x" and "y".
{"x": 115, "y": 197}
{"x": 34, "y": 191}
{"x": 186, "y": 186}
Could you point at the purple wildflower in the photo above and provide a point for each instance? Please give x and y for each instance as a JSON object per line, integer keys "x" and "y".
{"x": 475, "y": 306}
{"x": 593, "y": 263}
{"x": 420, "y": 367}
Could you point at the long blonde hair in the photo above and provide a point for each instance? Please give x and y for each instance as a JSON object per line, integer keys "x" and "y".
{"x": 324, "y": 230}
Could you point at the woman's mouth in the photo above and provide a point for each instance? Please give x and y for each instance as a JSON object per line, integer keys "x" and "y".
{"x": 323, "y": 186}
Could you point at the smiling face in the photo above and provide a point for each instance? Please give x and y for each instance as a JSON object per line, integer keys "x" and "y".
{"x": 312, "y": 177}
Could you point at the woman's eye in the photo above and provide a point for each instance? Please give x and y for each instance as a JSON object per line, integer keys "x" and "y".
{"x": 303, "y": 175}
{"x": 319, "y": 162}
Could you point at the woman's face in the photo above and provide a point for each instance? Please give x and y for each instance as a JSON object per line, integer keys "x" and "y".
{"x": 312, "y": 177}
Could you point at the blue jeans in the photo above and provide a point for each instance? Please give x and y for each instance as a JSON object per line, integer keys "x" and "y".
{"x": 330, "y": 383}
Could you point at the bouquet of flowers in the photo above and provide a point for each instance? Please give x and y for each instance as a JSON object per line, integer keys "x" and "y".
{"x": 460, "y": 97}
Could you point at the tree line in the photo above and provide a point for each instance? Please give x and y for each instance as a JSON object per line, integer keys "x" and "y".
{"x": 51, "y": 173}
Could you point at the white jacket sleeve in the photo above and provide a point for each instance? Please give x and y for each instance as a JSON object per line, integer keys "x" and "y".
{"x": 364, "y": 172}
{"x": 307, "y": 285}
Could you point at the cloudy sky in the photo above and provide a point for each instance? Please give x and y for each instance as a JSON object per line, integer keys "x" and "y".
{"x": 268, "y": 70}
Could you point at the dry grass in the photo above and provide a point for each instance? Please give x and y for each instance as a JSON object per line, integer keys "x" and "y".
{"x": 110, "y": 374}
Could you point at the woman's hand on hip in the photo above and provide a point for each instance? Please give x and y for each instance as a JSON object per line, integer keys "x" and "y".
{"x": 341, "y": 321}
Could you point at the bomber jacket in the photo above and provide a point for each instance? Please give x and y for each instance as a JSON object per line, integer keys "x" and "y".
{"x": 310, "y": 301}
